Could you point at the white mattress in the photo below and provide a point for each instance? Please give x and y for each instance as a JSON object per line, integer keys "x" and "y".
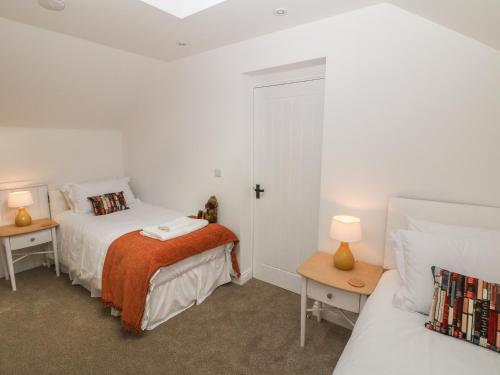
{"x": 388, "y": 341}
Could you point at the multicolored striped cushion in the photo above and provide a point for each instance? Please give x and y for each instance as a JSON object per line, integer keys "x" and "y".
{"x": 466, "y": 308}
{"x": 108, "y": 203}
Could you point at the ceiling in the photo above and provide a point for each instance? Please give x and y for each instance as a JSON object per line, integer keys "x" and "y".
{"x": 137, "y": 27}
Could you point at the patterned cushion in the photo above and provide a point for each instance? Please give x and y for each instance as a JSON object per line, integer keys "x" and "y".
{"x": 466, "y": 308}
{"x": 108, "y": 203}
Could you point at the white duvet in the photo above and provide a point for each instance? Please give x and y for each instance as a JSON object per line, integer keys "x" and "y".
{"x": 84, "y": 238}
{"x": 389, "y": 341}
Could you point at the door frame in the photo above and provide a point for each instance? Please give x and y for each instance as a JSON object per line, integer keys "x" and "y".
{"x": 252, "y": 143}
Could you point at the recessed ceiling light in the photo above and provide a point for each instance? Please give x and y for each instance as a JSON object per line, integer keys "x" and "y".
{"x": 281, "y": 12}
{"x": 52, "y": 4}
{"x": 182, "y": 44}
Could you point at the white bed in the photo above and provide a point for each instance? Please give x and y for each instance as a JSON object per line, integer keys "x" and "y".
{"x": 387, "y": 340}
{"x": 83, "y": 241}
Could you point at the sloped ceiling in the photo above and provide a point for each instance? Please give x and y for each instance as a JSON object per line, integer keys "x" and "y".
{"x": 478, "y": 19}
{"x": 134, "y": 26}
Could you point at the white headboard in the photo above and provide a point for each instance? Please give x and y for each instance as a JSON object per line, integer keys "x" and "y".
{"x": 447, "y": 213}
{"x": 38, "y": 210}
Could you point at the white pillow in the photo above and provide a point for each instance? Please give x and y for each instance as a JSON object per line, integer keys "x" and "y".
{"x": 455, "y": 230}
{"x": 436, "y": 228}
{"x": 79, "y": 193}
{"x": 473, "y": 256}
{"x": 399, "y": 258}
{"x": 68, "y": 200}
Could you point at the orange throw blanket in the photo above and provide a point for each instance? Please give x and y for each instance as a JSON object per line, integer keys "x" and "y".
{"x": 133, "y": 259}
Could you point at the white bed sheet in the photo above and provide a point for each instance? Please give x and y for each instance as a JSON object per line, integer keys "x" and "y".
{"x": 389, "y": 341}
{"x": 84, "y": 239}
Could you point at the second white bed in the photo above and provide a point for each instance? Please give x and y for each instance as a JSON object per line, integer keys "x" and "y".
{"x": 85, "y": 238}
{"x": 389, "y": 341}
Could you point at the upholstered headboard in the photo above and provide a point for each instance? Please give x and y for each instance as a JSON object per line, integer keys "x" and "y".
{"x": 400, "y": 209}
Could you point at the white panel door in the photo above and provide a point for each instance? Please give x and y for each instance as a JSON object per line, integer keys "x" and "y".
{"x": 288, "y": 122}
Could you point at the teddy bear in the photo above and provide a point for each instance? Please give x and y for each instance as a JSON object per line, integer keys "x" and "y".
{"x": 210, "y": 212}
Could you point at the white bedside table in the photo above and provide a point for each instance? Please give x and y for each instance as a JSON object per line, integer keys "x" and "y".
{"x": 19, "y": 238}
{"x": 328, "y": 285}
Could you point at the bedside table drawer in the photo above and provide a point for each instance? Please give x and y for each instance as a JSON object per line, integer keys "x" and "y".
{"x": 30, "y": 239}
{"x": 332, "y": 296}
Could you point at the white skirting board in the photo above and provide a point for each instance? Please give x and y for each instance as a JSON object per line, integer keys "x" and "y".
{"x": 244, "y": 278}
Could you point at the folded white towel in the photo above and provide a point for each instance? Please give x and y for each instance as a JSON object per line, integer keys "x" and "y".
{"x": 162, "y": 235}
{"x": 176, "y": 224}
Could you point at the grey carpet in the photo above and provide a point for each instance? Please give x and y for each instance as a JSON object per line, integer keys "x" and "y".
{"x": 51, "y": 327}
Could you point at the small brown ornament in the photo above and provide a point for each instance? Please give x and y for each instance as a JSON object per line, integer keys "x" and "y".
{"x": 355, "y": 282}
{"x": 211, "y": 208}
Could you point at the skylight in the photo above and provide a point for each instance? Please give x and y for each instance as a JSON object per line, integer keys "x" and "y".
{"x": 182, "y": 8}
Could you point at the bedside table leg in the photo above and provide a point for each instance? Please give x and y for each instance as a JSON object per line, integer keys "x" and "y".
{"x": 10, "y": 264}
{"x": 303, "y": 305}
{"x": 54, "y": 247}
{"x": 3, "y": 259}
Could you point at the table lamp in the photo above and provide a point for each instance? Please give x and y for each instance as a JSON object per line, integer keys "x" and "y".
{"x": 21, "y": 199}
{"x": 345, "y": 229}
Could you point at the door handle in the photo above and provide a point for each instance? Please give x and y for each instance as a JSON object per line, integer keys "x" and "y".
{"x": 258, "y": 190}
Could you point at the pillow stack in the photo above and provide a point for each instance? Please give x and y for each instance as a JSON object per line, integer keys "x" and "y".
{"x": 427, "y": 249}
{"x": 78, "y": 195}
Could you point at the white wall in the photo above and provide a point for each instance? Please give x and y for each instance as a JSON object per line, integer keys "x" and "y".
{"x": 58, "y": 156}
{"x": 55, "y": 157}
{"x": 411, "y": 109}
{"x": 53, "y": 84}
{"x": 52, "y": 80}
{"x": 415, "y": 115}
